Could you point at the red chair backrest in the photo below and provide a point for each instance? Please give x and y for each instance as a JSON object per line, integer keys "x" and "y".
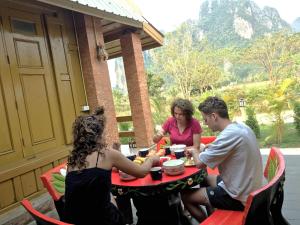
{"x": 40, "y": 218}
{"x": 47, "y": 181}
{"x": 259, "y": 201}
{"x": 207, "y": 139}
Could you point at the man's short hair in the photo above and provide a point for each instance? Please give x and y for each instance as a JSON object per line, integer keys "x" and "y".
{"x": 214, "y": 105}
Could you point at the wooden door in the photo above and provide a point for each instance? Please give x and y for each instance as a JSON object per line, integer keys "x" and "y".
{"x": 10, "y": 138}
{"x": 34, "y": 87}
{"x": 64, "y": 72}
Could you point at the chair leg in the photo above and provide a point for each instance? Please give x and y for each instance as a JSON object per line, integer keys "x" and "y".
{"x": 60, "y": 208}
{"x": 276, "y": 208}
{"x": 124, "y": 205}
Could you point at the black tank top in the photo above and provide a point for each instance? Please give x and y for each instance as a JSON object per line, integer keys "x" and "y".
{"x": 87, "y": 198}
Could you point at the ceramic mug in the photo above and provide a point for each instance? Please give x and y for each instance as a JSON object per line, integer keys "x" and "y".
{"x": 143, "y": 152}
{"x": 156, "y": 173}
{"x": 167, "y": 150}
{"x": 179, "y": 153}
{"x": 131, "y": 157}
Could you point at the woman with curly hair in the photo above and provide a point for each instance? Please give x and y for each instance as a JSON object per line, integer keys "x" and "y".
{"x": 88, "y": 198}
{"x": 182, "y": 127}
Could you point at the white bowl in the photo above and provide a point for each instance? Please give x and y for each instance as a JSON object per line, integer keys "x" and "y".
{"x": 177, "y": 147}
{"x": 174, "y": 167}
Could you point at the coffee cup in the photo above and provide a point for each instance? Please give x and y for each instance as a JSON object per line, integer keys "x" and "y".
{"x": 143, "y": 152}
{"x": 131, "y": 157}
{"x": 167, "y": 150}
{"x": 156, "y": 173}
{"x": 179, "y": 153}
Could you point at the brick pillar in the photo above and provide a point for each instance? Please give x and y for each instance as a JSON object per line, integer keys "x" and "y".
{"x": 137, "y": 88}
{"x": 95, "y": 72}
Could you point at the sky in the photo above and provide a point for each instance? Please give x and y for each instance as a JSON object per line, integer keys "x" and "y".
{"x": 167, "y": 15}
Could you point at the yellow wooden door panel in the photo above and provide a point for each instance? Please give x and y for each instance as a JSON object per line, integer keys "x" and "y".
{"x": 33, "y": 82}
{"x": 7, "y": 195}
{"x": 10, "y": 141}
{"x": 68, "y": 94}
{"x": 29, "y": 185}
{"x": 5, "y": 140}
{"x": 28, "y": 54}
{"x": 72, "y": 51}
{"x": 37, "y": 108}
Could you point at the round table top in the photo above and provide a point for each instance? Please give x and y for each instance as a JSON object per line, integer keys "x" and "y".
{"x": 146, "y": 186}
{"x": 147, "y": 180}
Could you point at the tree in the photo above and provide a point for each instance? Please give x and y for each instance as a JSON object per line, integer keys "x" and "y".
{"x": 274, "y": 53}
{"x": 278, "y": 98}
{"x": 155, "y": 84}
{"x": 297, "y": 116}
{"x": 182, "y": 64}
{"x": 252, "y": 121}
{"x": 121, "y": 103}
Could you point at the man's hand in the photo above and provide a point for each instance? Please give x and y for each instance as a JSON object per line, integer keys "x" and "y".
{"x": 193, "y": 152}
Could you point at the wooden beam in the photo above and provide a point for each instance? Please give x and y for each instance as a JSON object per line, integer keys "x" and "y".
{"x": 126, "y": 134}
{"x": 124, "y": 119}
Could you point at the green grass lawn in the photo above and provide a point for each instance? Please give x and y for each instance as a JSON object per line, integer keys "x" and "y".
{"x": 291, "y": 139}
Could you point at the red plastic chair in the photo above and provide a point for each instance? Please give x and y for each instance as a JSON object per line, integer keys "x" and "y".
{"x": 58, "y": 197}
{"x": 264, "y": 205}
{"x": 207, "y": 139}
{"x": 40, "y": 218}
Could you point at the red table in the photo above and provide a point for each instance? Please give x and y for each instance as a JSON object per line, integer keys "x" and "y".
{"x": 148, "y": 187}
{"x": 158, "y": 202}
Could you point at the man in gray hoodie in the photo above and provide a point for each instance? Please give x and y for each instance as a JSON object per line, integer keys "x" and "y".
{"x": 236, "y": 154}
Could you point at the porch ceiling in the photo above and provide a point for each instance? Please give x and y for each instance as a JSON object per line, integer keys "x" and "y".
{"x": 118, "y": 16}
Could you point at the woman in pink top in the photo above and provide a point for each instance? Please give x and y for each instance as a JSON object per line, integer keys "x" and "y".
{"x": 182, "y": 127}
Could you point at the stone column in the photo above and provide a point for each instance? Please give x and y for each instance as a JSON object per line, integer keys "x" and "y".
{"x": 137, "y": 88}
{"x": 95, "y": 72}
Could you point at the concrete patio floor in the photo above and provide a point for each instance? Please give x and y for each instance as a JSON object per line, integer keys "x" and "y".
{"x": 291, "y": 205}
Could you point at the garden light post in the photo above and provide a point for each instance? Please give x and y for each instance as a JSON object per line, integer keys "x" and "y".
{"x": 242, "y": 104}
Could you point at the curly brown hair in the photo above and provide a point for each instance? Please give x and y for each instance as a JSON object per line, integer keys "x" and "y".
{"x": 87, "y": 138}
{"x": 185, "y": 105}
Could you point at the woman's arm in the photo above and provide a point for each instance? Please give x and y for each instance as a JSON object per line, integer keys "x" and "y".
{"x": 158, "y": 136}
{"x": 196, "y": 141}
{"x": 129, "y": 167}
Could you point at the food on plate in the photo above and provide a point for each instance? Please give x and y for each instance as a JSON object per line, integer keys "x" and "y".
{"x": 188, "y": 161}
{"x": 139, "y": 160}
{"x": 160, "y": 152}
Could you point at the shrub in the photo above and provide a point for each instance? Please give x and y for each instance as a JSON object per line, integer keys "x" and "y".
{"x": 252, "y": 121}
{"x": 297, "y": 116}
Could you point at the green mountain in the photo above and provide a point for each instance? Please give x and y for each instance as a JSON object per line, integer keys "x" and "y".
{"x": 236, "y": 22}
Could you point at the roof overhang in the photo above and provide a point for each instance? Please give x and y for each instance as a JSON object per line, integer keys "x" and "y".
{"x": 114, "y": 26}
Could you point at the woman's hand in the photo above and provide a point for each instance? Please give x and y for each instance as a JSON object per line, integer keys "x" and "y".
{"x": 155, "y": 160}
{"x": 158, "y": 136}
